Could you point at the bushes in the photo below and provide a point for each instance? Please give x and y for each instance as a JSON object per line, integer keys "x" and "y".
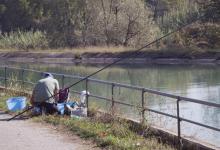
{"x": 73, "y": 23}
{"x": 80, "y": 23}
{"x": 23, "y": 40}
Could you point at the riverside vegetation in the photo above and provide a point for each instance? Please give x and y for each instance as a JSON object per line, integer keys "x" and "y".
{"x": 59, "y": 24}
{"x": 106, "y": 131}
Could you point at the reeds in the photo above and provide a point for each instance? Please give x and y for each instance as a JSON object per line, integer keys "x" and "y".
{"x": 23, "y": 40}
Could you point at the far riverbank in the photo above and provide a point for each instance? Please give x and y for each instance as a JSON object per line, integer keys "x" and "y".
{"x": 149, "y": 57}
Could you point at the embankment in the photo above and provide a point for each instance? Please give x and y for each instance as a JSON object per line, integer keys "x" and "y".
{"x": 155, "y": 57}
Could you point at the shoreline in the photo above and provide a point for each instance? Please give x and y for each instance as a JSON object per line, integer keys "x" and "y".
{"x": 107, "y": 58}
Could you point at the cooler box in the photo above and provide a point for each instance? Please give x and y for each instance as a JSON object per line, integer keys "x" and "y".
{"x": 16, "y": 103}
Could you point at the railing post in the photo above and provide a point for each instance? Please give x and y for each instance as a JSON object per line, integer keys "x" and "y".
{"x": 22, "y": 78}
{"x": 113, "y": 102}
{"x": 5, "y": 77}
{"x": 87, "y": 102}
{"x": 143, "y": 106}
{"x": 178, "y": 124}
{"x": 63, "y": 78}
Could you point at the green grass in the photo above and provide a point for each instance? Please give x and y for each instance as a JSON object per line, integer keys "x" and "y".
{"x": 109, "y": 133}
{"x": 3, "y": 98}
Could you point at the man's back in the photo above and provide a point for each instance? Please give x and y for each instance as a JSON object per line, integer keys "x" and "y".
{"x": 44, "y": 89}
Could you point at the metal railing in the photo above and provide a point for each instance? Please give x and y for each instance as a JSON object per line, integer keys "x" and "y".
{"x": 114, "y": 101}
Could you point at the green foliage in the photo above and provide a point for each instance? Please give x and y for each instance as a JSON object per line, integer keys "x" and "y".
{"x": 23, "y": 40}
{"x": 212, "y": 11}
{"x": 62, "y": 21}
{"x": 72, "y": 23}
{"x": 179, "y": 13}
{"x": 15, "y": 14}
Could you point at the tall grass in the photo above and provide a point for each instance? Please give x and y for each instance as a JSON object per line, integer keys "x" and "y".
{"x": 23, "y": 40}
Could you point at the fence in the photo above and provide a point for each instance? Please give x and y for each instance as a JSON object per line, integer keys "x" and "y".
{"x": 7, "y": 75}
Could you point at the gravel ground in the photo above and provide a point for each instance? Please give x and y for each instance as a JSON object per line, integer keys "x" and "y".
{"x": 26, "y": 135}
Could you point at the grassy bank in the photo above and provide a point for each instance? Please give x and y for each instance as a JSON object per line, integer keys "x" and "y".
{"x": 106, "y": 131}
{"x": 3, "y": 98}
{"x": 114, "y": 134}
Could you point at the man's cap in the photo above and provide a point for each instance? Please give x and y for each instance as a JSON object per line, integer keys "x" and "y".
{"x": 47, "y": 74}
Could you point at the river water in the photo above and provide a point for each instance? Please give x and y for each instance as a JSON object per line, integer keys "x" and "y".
{"x": 193, "y": 81}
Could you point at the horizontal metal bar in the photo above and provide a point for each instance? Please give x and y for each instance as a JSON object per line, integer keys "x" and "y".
{"x": 24, "y": 69}
{"x": 109, "y": 99}
{"x": 161, "y": 93}
{"x": 162, "y": 113}
{"x": 158, "y": 93}
{"x": 99, "y": 97}
{"x": 116, "y": 84}
{"x": 68, "y": 76}
{"x": 22, "y": 81}
{"x": 134, "y": 87}
{"x": 200, "y": 102}
{"x": 100, "y": 81}
{"x": 118, "y": 102}
{"x": 200, "y": 124}
{"x": 183, "y": 119}
{"x": 77, "y": 92}
{"x": 74, "y": 76}
{"x": 29, "y": 82}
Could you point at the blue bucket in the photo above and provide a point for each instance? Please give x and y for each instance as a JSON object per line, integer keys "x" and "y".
{"x": 60, "y": 107}
{"x": 16, "y": 103}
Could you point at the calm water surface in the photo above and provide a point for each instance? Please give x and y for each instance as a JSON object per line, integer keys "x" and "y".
{"x": 194, "y": 81}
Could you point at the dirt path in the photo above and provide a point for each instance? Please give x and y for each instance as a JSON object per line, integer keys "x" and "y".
{"x": 26, "y": 135}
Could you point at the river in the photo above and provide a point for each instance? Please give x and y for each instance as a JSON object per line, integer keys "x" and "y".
{"x": 193, "y": 81}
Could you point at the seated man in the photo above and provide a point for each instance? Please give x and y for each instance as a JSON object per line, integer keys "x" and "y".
{"x": 45, "y": 94}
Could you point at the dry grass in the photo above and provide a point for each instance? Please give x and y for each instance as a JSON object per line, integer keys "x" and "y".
{"x": 109, "y": 134}
{"x": 79, "y": 50}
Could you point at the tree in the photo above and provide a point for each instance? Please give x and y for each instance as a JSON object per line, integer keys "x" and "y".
{"x": 212, "y": 11}
{"x": 59, "y": 19}
{"x": 15, "y": 14}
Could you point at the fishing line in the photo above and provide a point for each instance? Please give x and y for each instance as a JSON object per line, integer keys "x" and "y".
{"x": 131, "y": 55}
{"x": 135, "y": 52}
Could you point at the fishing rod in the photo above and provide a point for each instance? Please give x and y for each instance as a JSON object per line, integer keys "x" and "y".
{"x": 132, "y": 54}
{"x": 135, "y": 52}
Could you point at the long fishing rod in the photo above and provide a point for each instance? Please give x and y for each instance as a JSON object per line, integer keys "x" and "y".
{"x": 135, "y": 52}
{"x": 132, "y": 54}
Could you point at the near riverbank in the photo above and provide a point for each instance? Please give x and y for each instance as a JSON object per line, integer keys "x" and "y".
{"x": 100, "y": 131}
{"x": 144, "y": 57}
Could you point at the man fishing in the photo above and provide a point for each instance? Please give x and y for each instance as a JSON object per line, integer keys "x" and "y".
{"x": 45, "y": 94}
